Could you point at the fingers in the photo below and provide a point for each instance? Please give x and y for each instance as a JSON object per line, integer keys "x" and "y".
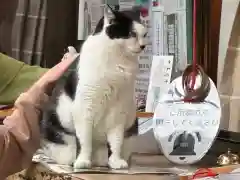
{"x": 63, "y": 66}
{"x": 55, "y": 73}
{"x": 47, "y": 81}
{"x": 49, "y": 88}
{"x": 71, "y": 52}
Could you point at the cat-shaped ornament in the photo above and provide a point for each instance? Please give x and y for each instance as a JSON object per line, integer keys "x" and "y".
{"x": 185, "y": 131}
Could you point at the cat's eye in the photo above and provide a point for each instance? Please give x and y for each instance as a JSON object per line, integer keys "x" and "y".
{"x": 133, "y": 34}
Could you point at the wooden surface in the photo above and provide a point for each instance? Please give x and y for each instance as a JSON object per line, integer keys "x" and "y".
{"x": 149, "y": 162}
{"x": 40, "y": 172}
{"x": 42, "y": 175}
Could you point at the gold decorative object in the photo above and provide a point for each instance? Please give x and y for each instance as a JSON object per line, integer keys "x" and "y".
{"x": 228, "y": 159}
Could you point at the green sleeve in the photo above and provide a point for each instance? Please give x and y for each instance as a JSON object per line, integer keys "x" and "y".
{"x": 15, "y": 78}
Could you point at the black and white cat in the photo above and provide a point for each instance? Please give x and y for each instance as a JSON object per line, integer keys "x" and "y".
{"x": 97, "y": 103}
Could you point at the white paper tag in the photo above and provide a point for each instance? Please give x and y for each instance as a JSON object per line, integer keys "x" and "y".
{"x": 144, "y": 125}
{"x": 186, "y": 131}
{"x": 160, "y": 77}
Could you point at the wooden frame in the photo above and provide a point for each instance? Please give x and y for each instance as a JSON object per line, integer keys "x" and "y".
{"x": 208, "y": 32}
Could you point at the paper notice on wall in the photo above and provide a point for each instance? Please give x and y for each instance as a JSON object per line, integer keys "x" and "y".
{"x": 173, "y": 42}
{"x": 90, "y": 12}
{"x": 145, "y": 61}
{"x": 160, "y": 78}
{"x": 96, "y": 12}
{"x": 182, "y": 40}
{"x": 157, "y": 31}
{"x": 126, "y": 4}
{"x": 176, "y": 27}
{"x": 171, "y": 6}
{"x": 142, "y": 81}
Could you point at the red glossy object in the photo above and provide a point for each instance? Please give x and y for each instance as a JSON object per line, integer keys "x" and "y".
{"x": 155, "y": 3}
{"x": 144, "y": 12}
{"x": 194, "y": 71}
{"x": 204, "y": 173}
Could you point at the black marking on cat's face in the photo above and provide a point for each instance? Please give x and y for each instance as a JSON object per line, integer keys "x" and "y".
{"x": 120, "y": 23}
{"x": 131, "y": 14}
{"x": 125, "y": 28}
{"x": 120, "y": 26}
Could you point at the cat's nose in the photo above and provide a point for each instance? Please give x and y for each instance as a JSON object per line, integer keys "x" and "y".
{"x": 142, "y": 47}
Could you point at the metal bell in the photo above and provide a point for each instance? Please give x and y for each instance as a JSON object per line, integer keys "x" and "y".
{"x": 228, "y": 159}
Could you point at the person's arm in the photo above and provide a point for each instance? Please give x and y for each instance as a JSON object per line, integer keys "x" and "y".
{"x": 19, "y": 134}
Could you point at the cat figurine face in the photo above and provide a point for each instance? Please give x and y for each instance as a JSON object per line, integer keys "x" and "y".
{"x": 123, "y": 28}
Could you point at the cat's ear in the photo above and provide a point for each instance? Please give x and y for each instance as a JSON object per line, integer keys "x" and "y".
{"x": 109, "y": 15}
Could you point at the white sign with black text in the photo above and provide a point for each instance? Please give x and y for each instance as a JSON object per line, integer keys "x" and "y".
{"x": 185, "y": 131}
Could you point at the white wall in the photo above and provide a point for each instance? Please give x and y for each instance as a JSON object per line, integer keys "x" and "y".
{"x": 229, "y": 8}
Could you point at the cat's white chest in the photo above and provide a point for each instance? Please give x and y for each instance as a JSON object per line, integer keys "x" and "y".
{"x": 106, "y": 88}
{"x": 121, "y": 105}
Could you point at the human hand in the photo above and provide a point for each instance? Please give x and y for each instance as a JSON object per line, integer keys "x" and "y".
{"x": 48, "y": 80}
{"x": 39, "y": 93}
{"x": 71, "y": 52}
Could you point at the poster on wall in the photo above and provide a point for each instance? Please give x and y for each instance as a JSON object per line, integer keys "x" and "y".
{"x": 145, "y": 60}
{"x": 176, "y": 33}
{"x": 90, "y": 12}
{"x": 126, "y": 4}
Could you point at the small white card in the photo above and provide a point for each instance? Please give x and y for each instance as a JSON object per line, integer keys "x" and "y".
{"x": 144, "y": 125}
{"x": 160, "y": 77}
{"x": 186, "y": 131}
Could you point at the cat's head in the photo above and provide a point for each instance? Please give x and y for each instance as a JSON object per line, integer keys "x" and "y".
{"x": 125, "y": 30}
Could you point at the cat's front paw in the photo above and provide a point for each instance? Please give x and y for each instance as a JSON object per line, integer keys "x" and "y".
{"x": 117, "y": 163}
{"x": 82, "y": 163}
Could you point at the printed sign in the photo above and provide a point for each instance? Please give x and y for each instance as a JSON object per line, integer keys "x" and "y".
{"x": 145, "y": 61}
{"x": 158, "y": 40}
{"x": 186, "y": 131}
{"x": 159, "y": 80}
